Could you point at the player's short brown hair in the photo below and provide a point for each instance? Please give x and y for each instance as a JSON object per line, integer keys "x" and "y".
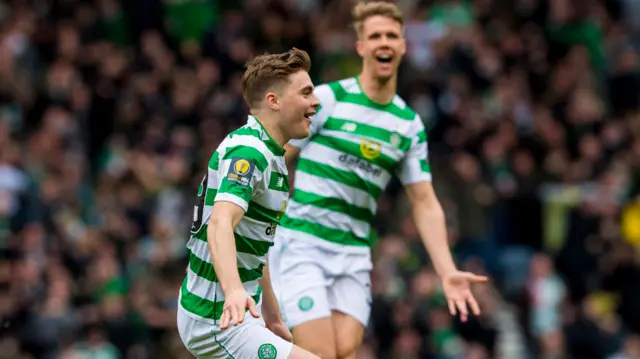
{"x": 268, "y": 70}
{"x": 364, "y": 10}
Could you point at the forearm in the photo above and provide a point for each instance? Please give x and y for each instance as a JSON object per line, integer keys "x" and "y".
{"x": 270, "y": 309}
{"x": 431, "y": 225}
{"x": 222, "y": 247}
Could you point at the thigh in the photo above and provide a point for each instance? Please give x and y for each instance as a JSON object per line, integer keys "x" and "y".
{"x": 350, "y": 293}
{"x": 316, "y": 336}
{"x": 198, "y": 337}
{"x": 350, "y": 300}
{"x": 253, "y": 340}
{"x": 349, "y": 333}
{"x": 303, "y": 295}
{"x": 302, "y": 284}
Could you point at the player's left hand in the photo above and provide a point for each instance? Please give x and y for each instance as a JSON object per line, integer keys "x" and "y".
{"x": 280, "y": 329}
{"x": 457, "y": 289}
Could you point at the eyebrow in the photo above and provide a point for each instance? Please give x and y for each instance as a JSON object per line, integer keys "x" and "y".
{"x": 307, "y": 88}
{"x": 388, "y": 33}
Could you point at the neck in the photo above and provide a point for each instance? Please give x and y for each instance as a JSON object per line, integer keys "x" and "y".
{"x": 380, "y": 91}
{"x": 270, "y": 124}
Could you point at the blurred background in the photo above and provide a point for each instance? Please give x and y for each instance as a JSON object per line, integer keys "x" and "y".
{"x": 110, "y": 109}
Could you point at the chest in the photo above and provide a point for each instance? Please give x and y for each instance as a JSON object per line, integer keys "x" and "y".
{"x": 376, "y": 136}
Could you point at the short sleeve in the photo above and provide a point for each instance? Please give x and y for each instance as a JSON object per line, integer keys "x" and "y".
{"x": 414, "y": 167}
{"x": 241, "y": 173}
{"x": 327, "y": 102}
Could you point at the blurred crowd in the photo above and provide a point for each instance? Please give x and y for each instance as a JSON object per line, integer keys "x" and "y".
{"x": 110, "y": 109}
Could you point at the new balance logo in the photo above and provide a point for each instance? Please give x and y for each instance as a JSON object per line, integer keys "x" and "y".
{"x": 280, "y": 182}
{"x": 349, "y": 127}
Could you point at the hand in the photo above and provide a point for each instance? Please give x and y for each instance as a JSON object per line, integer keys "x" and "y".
{"x": 235, "y": 305}
{"x": 280, "y": 329}
{"x": 457, "y": 289}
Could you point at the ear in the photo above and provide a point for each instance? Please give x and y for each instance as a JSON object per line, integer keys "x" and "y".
{"x": 272, "y": 101}
{"x": 360, "y": 48}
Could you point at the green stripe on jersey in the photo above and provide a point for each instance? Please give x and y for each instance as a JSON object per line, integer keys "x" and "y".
{"x": 270, "y": 143}
{"x": 247, "y": 153}
{"x": 348, "y": 147}
{"x": 422, "y": 137}
{"x": 243, "y": 244}
{"x": 425, "y": 166}
{"x": 361, "y": 99}
{"x": 205, "y": 270}
{"x": 347, "y": 178}
{"x": 230, "y": 187}
{"x": 364, "y": 130}
{"x": 263, "y": 214}
{"x": 214, "y": 161}
{"x": 326, "y": 233}
{"x": 333, "y": 204}
{"x": 279, "y": 182}
{"x": 255, "y": 211}
{"x": 204, "y": 307}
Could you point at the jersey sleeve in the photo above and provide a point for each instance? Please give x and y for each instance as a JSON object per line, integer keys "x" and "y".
{"x": 241, "y": 173}
{"x": 327, "y": 98}
{"x": 414, "y": 167}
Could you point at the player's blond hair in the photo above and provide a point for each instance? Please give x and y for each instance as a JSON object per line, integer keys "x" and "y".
{"x": 266, "y": 71}
{"x": 364, "y": 10}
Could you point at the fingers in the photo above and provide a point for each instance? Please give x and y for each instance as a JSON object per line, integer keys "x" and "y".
{"x": 287, "y": 336}
{"x": 452, "y": 307}
{"x": 237, "y": 315}
{"x": 252, "y": 308}
{"x": 475, "y": 308}
{"x": 476, "y": 278}
{"x": 225, "y": 318}
{"x": 462, "y": 308}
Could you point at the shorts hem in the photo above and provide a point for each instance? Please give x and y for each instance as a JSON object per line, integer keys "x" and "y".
{"x": 294, "y": 323}
{"x": 352, "y": 315}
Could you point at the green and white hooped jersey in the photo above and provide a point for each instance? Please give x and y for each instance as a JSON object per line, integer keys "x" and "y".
{"x": 248, "y": 169}
{"x": 355, "y": 147}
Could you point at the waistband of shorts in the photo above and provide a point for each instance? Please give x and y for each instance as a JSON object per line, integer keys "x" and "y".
{"x": 288, "y": 234}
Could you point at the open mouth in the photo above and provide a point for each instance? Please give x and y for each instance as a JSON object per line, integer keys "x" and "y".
{"x": 310, "y": 114}
{"x": 384, "y": 58}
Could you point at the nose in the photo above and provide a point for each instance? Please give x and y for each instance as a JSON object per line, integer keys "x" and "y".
{"x": 315, "y": 102}
{"x": 384, "y": 41}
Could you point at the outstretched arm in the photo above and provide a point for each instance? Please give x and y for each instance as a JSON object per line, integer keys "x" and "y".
{"x": 430, "y": 221}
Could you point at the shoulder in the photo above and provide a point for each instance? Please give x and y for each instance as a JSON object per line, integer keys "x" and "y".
{"x": 246, "y": 145}
{"x": 404, "y": 110}
{"x": 337, "y": 90}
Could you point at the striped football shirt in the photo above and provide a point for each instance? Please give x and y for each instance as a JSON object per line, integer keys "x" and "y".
{"x": 248, "y": 169}
{"x": 355, "y": 147}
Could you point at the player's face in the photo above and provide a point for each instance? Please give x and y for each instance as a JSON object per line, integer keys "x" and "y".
{"x": 298, "y": 104}
{"x": 381, "y": 46}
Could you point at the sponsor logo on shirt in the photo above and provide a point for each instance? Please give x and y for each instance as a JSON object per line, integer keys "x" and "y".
{"x": 358, "y": 163}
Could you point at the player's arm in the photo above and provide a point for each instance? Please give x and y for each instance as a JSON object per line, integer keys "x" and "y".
{"x": 240, "y": 177}
{"x": 270, "y": 309}
{"x": 430, "y": 221}
{"x": 415, "y": 173}
{"x": 225, "y": 216}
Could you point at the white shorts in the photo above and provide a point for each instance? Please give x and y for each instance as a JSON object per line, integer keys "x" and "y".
{"x": 312, "y": 277}
{"x": 249, "y": 340}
